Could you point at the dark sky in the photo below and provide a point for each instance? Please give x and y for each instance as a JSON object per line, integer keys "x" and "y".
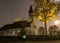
{"x": 10, "y": 9}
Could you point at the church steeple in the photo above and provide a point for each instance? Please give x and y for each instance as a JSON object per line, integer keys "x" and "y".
{"x": 31, "y": 9}
{"x": 31, "y": 14}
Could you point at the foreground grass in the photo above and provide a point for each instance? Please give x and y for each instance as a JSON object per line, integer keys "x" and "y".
{"x": 29, "y": 38}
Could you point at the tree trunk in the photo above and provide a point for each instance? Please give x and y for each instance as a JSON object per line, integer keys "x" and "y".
{"x": 45, "y": 26}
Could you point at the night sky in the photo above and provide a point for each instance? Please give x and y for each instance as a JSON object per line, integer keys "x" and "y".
{"x": 10, "y": 9}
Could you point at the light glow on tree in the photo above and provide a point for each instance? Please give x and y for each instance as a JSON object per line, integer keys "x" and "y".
{"x": 57, "y": 22}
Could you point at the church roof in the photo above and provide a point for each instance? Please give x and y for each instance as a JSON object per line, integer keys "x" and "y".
{"x": 18, "y": 24}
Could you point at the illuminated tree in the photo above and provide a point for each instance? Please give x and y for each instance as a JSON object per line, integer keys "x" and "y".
{"x": 45, "y": 11}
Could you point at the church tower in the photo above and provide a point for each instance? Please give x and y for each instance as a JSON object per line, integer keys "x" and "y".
{"x": 33, "y": 21}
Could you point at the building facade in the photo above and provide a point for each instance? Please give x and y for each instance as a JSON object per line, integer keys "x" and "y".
{"x": 15, "y": 28}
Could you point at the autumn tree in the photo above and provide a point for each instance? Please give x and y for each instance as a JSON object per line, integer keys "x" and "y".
{"x": 45, "y": 11}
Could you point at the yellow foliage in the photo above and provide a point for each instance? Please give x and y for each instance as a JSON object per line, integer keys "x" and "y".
{"x": 48, "y": 11}
{"x": 40, "y": 18}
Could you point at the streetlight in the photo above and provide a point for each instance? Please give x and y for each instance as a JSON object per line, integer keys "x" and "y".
{"x": 57, "y": 22}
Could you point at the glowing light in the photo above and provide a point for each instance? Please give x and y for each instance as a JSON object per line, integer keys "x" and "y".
{"x": 24, "y": 36}
{"x": 18, "y": 31}
{"x": 57, "y": 22}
